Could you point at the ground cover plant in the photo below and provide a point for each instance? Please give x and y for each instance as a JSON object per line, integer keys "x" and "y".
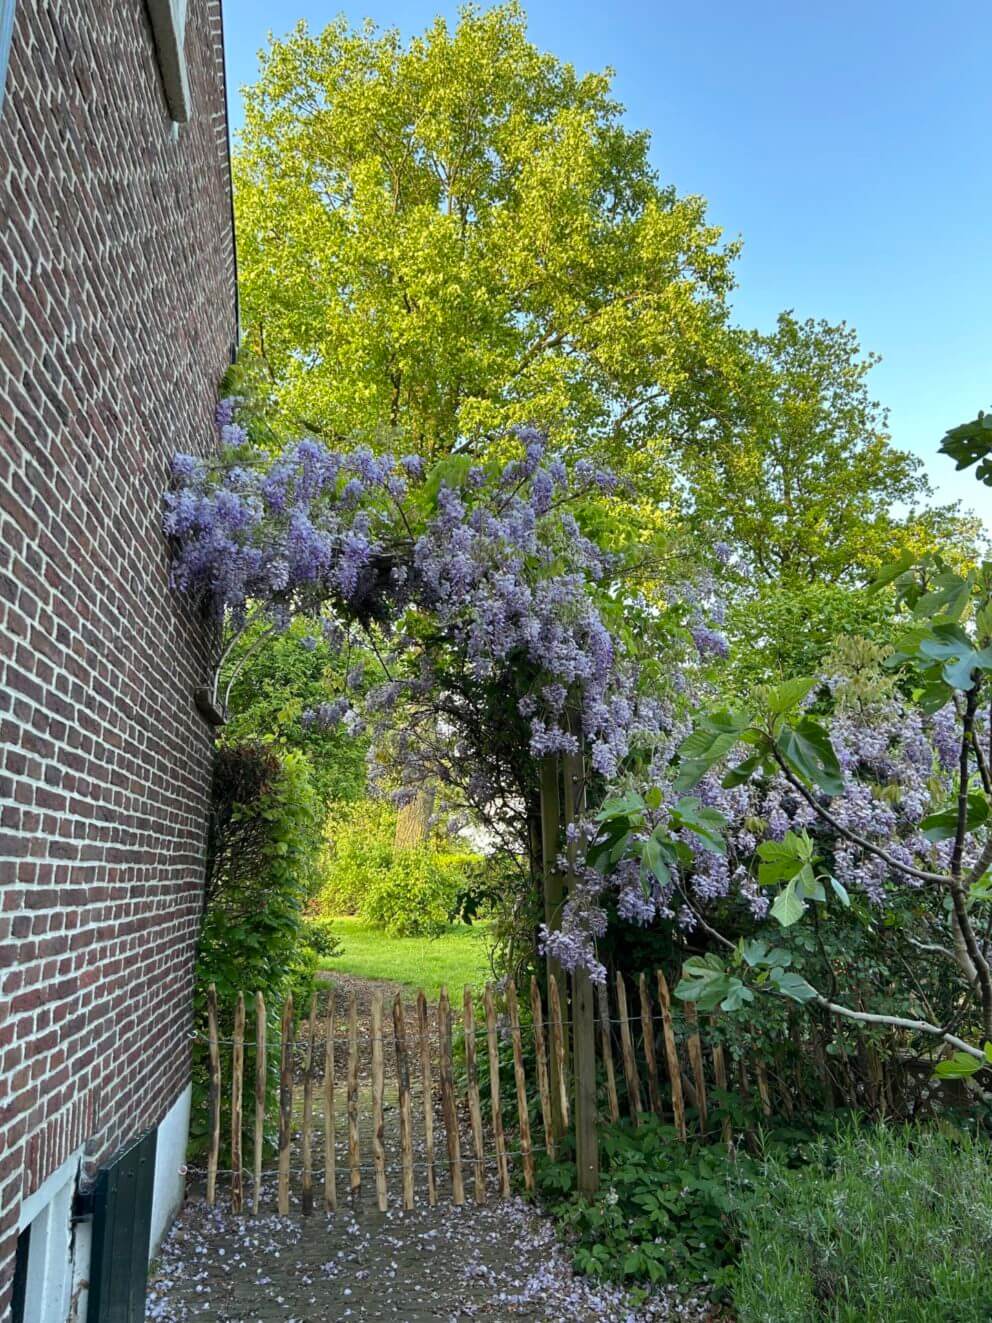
{"x": 889, "y": 1225}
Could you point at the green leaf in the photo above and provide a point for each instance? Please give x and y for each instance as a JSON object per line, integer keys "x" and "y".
{"x": 713, "y": 738}
{"x": 621, "y": 807}
{"x": 806, "y": 748}
{"x": 971, "y": 443}
{"x": 737, "y": 995}
{"x": 653, "y": 798}
{"x": 754, "y": 952}
{"x": 788, "y": 907}
{"x": 948, "y": 598}
{"x": 957, "y": 1067}
{"x": 840, "y": 892}
{"x": 706, "y": 824}
{"x": 742, "y": 772}
{"x": 793, "y": 985}
{"x": 943, "y": 826}
{"x": 652, "y": 858}
{"x": 808, "y": 884}
{"x": 782, "y": 698}
{"x": 781, "y": 860}
{"x": 889, "y": 573}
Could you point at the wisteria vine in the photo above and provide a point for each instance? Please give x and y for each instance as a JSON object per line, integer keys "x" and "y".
{"x": 465, "y": 579}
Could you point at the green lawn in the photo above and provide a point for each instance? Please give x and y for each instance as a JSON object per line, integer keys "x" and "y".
{"x": 456, "y": 957}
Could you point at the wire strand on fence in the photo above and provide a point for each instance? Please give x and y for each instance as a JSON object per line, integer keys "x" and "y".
{"x": 362, "y": 1166}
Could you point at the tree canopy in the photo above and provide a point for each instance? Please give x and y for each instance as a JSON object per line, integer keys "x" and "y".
{"x": 801, "y": 475}
{"x": 445, "y": 238}
{"x": 451, "y": 237}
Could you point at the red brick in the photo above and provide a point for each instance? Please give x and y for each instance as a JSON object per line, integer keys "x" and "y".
{"x": 117, "y": 317}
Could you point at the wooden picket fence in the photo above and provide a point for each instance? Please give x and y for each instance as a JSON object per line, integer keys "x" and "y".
{"x": 669, "y": 1065}
{"x": 480, "y": 1145}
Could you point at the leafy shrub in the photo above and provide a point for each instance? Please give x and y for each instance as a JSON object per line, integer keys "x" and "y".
{"x": 319, "y": 934}
{"x": 664, "y": 1211}
{"x": 262, "y": 856}
{"x": 891, "y": 1226}
{"x": 408, "y": 892}
{"x": 359, "y": 848}
{"x": 262, "y": 853}
{"x": 667, "y": 1210}
{"x": 417, "y": 895}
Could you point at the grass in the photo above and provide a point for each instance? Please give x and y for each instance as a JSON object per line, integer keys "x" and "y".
{"x": 895, "y": 1226}
{"x": 457, "y": 957}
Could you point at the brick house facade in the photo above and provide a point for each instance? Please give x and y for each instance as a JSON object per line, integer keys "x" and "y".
{"x": 117, "y": 319}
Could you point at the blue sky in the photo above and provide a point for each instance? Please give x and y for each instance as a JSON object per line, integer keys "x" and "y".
{"x": 848, "y": 144}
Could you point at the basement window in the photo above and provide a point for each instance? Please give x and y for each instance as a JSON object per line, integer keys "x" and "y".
{"x": 169, "y": 26}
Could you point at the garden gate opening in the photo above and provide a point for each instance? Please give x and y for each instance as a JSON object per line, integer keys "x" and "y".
{"x": 411, "y": 1103}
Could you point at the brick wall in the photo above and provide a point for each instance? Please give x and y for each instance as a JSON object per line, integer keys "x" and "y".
{"x": 117, "y": 317}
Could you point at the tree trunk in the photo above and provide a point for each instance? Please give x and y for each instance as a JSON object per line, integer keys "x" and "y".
{"x": 413, "y": 820}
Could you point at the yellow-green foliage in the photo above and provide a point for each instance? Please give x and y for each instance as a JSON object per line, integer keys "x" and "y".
{"x": 407, "y": 892}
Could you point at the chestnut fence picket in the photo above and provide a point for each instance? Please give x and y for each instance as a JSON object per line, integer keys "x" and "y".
{"x": 361, "y": 1093}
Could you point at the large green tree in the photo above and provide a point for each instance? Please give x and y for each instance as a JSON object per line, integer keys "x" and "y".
{"x": 801, "y": 475}
{"x": 443, "y": 238}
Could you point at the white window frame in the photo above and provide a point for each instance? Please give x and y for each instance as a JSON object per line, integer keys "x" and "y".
{"x": 169, "y": 26}
{"x": 48, "y": 1212}
{"x": 6, "y": 30}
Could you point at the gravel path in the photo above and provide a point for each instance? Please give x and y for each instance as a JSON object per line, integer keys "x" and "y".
{"x": 500, "y": 1261}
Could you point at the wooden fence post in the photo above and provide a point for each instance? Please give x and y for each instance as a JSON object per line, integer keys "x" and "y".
{"x": 558, "y": 1040}
{"x": 502, "y": 1166}
{"x": 330, "y": 1172}
{"x": 629, "y": 1060}
{"x": 764, "y": 1092}
{"x": 448, "y": 1110}
{"x": 543, "y": 1087}
{"x": 526, "y": 1156}
{"x": 671, "y": 1055}
{"x": 285, "y": 1102}
{"x": 474, "y": 1106}
{"x": 427, "y": 1087}
{"x": 378, "y": 1090}
{"x": 354, "y": 1154}
{"x": 405, "y": 1105}
{"x": 720, "y": 1077}
{"x": 261, "y": 1092}
{"x": 606, "y": 1046}
{"x": 237, "y": 1088}
{"x": 214, "y": 1100}
{"x": 696, "y": 1062}
{"x": 584, "y": 1072}
{"x": 306, "y": 1202}
{"x": 647, "y": 1030}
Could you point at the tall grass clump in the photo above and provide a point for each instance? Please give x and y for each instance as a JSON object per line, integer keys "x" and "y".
{"x": 891, "y": 1225}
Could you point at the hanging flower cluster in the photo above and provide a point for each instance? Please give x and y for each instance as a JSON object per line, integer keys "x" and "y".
{"x": 897, "y": 764}
{"x": 492, "y": 556}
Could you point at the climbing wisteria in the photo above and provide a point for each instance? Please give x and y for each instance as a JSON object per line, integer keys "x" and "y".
{"x": 897, "y": 765}
{"x": 489, "y": 560}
